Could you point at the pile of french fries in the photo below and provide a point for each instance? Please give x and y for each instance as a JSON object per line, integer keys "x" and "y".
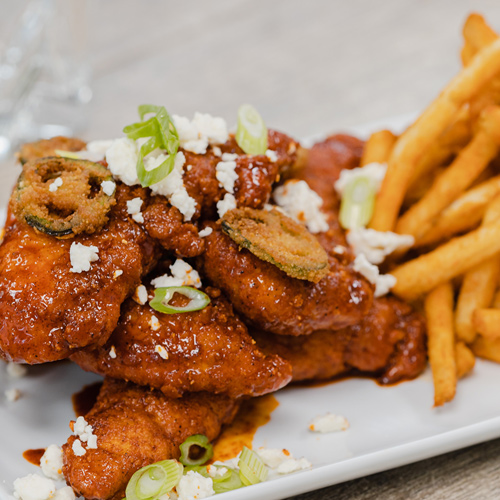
{"x": 443, "y": 187}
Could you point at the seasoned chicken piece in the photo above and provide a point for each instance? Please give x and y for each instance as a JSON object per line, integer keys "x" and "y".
{"x": 208, "y": 350}
{"x": 47, "y": 310}
{"x": 136, "y": 427}
{"x": 390, "y": 342}
{"x": 277, "y": 303}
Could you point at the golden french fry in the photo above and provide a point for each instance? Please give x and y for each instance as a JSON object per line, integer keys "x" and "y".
{"x": 441, "y": 342}
{"x": 466, "y": 167}
{"x": 486, "y": 348}
{"x": 418, "y": 276}
{"x": 378, "y": 147}
{"x": 431, "y": 124}
{"x": 477, "y": 34}
{"x": 487, "y": 323}
{"x": 464, "y": 359}
{"x": 463, "y": 214}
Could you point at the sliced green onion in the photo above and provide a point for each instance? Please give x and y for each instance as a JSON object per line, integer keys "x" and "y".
{"x": 251, "y": 131}
{"x": 154, "y": 480}
{"x": 227, "y": 482}
{"x": 252, "y": 468}
{"x": 357, "y": 205}
{"x": 162, "y": 134}
{"x": 73, "y": 155}
{"x": 163, "y": 296}
{"x": 196, "y": 450}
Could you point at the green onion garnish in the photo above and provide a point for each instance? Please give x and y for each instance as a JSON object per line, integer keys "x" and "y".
{"x": 252, "y": 468}
{"x": 227, "y": 482}
{"x": 251, "y": 132}
{"x": 161, "y": 301}
{"x": 154, "y": 480}
{"x": 357, "y": 205}
{"x": 196, "y": 450}
{"x": 162, "y": 134}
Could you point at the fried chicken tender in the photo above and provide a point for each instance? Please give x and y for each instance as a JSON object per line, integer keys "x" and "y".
{"x": 47, "y": 310}
{"x": 208, "y": 350}
{"x": 136, "y": 427}
{"x": 390, "y": 343}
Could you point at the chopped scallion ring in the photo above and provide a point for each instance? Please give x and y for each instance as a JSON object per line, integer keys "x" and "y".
{"x": 252, "y": 468}
{"x": 154, "y": 480}
{"x": 251, "y": 131}
{"x": 162, "y": 134}
{"x": 196, "y": 450}
{"x": 231, "y": 481}
{"x": 358, "y": 202}
{"x": 163, "y": 296}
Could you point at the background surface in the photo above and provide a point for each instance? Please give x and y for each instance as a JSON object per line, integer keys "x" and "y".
{"x": 310, "y": 67}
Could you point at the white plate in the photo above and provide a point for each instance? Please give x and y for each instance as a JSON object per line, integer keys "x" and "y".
{"x": 390, "y": 426}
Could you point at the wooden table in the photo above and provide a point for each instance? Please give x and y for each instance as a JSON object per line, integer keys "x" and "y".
{"x": 310, "y": 67}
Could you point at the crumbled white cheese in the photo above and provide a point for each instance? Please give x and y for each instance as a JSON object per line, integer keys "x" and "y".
{"x": 117, "y": 273}
{"x": 141, "y": 295}
{"x": 112, "y": 352}
{"x": 217, "y": 151}
{"x": 34, "y": 487}
{"x": 78, "y": 449}
{"x": 216, "y": 471}
{"x": 134, "y": 209}
{"x": 373, "y": 171}
{"x": 226, "y": 204}
{"x": 108, "y": 187}
{"x": 16, "y": 370}
{"x": 329, "y": 423}
{"x": 272, "y": 155}
{"x": 205, "y": 232}
{"x": 99, "y": 147}
{"x": 383, "y": 282}
{"x": 282, "y": 461}
{"x": 194, "y": 486}
{"x": 173, "y": 188}
{"x": 85, "y": 432}
{"x": 65, "y": 493}
{"x": 230, "y": 156}
{"x": 154, "y": 323}
{"x": 122, "y": 158}
{"x": 161, "y": 351}
{"x": 377, "y": 245}
{"x": 13, "y": 395}
{"x": 303, "y": 204}
{"x": 52, "y": 462}
{"x": 81, "y": 257}
{"x": 182, "y": 275}
{"x": 54, "y": 186}
{"x": 339, "y": 249}
{"x": 226, "y": 174}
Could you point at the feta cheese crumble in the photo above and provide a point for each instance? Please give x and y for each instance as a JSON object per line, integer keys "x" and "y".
{"x": 82, "y": 256}
{"x": 303, "y": 204}
{"x": 65, "y": 493}
{"x": 377, "y": 245}
{"x": 217, "y": 151}
{"x": 226, "y": 174}
{"x": 194, "y": 486}
{"x": 383, "y": 282}
{"x": 141, "y": 295}
{"x": 112, "y": 352}
{"x": 108, "y": 187}
{"x": 161, "y": 351}
{"x": 272, "y": 155}
{"x": 339, "y": 249}
{"x": 78, "y": 449}
{"x": 15, "y": 370}
{"x": 182, "y": 275}
{"x": 216, "y": 471}
{"x": 205, "y": 232}
{"x": 54, "y": 186}
{"x": 85, "y": 432}
{"x": 154, "y": 323}
{"x": 373, "y": 171}
{"x": 230, "y": 156}
{"x": 117, "y": 273}
{"x": 226, "y": 204}
{"x": 52, "y": 463}
{"x": 121, "y": 157}
{"x": 34, "y": 487}
{"x": 282, "y": 461}
{"x": 329, "y": 423}
{"x": 134, "y": 209}
{"x": 13, "y": 395}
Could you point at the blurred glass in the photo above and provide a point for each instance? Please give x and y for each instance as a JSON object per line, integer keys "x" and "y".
{"x": 44, "y": 75}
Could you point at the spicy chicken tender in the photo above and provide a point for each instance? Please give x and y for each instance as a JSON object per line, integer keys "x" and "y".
{"x": 207, "y": 350}
{"x": 135, "y": 427}
{"x": 389, "y": 343}
{"x": 50, "y": 309}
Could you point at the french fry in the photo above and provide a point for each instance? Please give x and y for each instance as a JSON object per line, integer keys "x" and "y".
{"x": 431, "y": 124}
{"x": 486, "y": 348}
{"x": 464, "y": 359}
{"x": 477, "y": 34}
{"x": 418, "y": 276}
{"x": 466, "y": 167}
{"x": 487, "y": 323}
{"x": 463, "y": 214}
{"x": 441, "y": 342}
{"x": 378, "y": 147}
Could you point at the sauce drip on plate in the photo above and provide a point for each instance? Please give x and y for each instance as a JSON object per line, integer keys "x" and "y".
{"x": 84, "y": 400}
{"x": 34, "y": 456}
